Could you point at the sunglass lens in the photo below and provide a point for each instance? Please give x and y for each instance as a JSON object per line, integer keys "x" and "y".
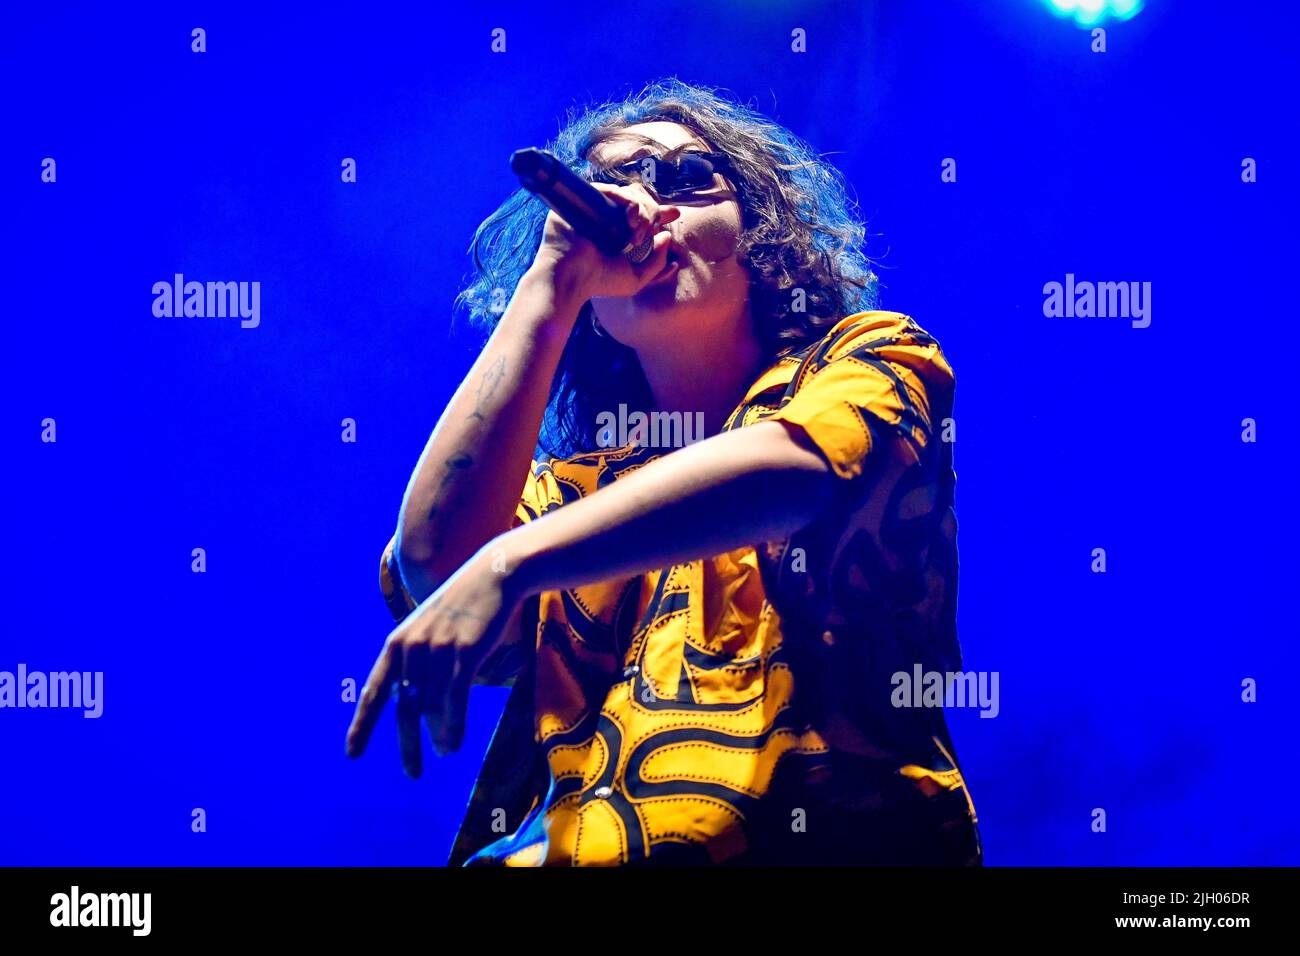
{"x": 688, "y": 173}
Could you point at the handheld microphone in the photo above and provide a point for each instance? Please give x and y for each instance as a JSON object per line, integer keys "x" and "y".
{"x": 582, "y": 205}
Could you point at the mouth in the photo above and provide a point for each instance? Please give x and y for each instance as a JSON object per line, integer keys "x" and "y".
{"x": 670, "y": 268}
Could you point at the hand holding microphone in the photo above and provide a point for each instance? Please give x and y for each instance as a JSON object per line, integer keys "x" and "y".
{"x": 602, "y": 239}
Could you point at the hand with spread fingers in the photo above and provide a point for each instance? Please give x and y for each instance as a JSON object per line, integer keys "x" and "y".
{"x": 429, "y": 661}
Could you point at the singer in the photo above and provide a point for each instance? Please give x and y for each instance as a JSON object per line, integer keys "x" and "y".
{"x": 700, "y": 641}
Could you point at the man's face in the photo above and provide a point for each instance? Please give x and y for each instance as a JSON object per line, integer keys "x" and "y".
{"x": 708, "y": 279}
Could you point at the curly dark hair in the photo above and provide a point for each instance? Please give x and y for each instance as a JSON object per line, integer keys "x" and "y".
{"x": 801, "y": 241}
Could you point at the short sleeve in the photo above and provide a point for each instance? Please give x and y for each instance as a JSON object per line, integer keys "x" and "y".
{"x": 532, "y": 503}
{"x": 399, "y": 600}
{"x": 874, "y": 591}
{"x": 875, "y": 377}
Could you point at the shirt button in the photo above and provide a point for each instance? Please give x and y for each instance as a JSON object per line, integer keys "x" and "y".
{"x": 631, "y": 670}
{"x": 602, "y": 793}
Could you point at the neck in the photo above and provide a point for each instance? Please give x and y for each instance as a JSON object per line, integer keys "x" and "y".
{"x": 708, "y": 376}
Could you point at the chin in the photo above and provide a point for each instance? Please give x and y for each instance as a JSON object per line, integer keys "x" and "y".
{"x": 677, "y": 293}
{"x": 664, "y": 321}
{"x": 656, "y": 302}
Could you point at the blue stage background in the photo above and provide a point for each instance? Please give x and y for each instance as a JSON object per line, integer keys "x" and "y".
{"x": 1119, "y": 691}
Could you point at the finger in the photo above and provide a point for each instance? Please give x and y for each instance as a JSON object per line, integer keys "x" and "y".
{"x": 647, "y": 208}
{"x": 644, "y": 214}
{"x": 455, "y": 704}
{"x": 409, "y": 707}
{"x": 442, "y": 663}
{"x": 641, "y": 227}
{"x": 612, "y": 191}
{"x": 374, "y": 695}
{"x": 636, "y": 221}
{"x": 408, "y": 729}
{"x": 618, "y": 195}
{"x": 643, "y": 211}
{"x": 667, "y": 214}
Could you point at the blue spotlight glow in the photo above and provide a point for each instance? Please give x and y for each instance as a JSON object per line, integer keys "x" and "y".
{"x": 1087, "y": 13}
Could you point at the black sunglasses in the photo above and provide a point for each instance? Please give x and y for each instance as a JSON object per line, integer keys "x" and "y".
{"x": 688, "y": 173}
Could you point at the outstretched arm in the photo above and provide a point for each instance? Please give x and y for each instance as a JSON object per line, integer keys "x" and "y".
{"x": 758, "y": 483}
{"x": 761, "y": 482}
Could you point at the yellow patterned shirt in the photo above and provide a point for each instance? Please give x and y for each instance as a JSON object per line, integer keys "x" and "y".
{"x": 737, "y": 709}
